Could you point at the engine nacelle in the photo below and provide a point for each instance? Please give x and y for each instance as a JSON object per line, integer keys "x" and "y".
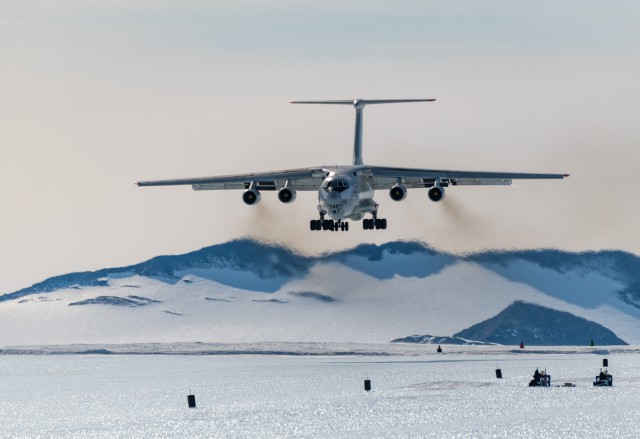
{"x": 251, "y": 196}
{"x": 436, "y": 194}
{"x": 287, "y": 194}
{"x": 398, "y": 192}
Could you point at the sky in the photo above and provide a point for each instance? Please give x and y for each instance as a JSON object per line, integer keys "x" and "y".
{"x": 97, "y": 95}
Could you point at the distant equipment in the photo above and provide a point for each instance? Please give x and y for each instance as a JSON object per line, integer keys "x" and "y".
{"x": 191, "y": 401}
{"x": 540, "y": 379}
{"x": 603, "y": 379}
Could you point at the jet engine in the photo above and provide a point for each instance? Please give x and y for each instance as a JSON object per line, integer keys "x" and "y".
{"x": 287, "y": 195}
{"x": 398, "y": 192}
{"x": 251, "y": 196}
{"x": 436, "y": 193}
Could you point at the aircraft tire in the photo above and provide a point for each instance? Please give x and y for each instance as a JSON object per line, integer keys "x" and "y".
{"x": 327, "y": 224}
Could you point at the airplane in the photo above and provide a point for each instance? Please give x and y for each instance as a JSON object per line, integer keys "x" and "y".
{"x": 346, "y": 192}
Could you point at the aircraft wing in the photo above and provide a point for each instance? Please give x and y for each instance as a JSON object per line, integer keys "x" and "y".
{"x": 305, "y": 179}
{"x": 384, "y": 178}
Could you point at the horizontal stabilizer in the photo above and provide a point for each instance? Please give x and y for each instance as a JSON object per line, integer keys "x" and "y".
{"x": 362, "y": 101}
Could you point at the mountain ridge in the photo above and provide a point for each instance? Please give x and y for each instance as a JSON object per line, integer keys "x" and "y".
{"x": 246, "y": 290}
{"x": 236, "y": 254}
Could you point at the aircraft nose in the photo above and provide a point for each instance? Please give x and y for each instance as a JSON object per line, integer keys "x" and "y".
{"x": 334, "y": 203}
{"x": 334, "y": 198}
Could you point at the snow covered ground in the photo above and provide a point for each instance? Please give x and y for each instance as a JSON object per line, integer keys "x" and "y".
{"x": 415, "y": 393}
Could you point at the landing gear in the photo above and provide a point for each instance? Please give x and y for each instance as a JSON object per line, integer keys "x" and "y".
{"x": 370, "y": 224}
{"x": 323, "y": 224}
{"x": 343, "y": 226}
{"x": 374, "y": 223}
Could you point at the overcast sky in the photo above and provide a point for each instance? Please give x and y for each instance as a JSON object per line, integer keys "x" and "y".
{"x": 97, "y": 95}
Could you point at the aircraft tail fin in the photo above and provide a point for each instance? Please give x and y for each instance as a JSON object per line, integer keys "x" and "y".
{"x": 359, "y": 104}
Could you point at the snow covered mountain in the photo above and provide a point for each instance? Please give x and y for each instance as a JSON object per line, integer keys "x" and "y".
{"x": 520, "y": 322}
{"x": 248, "y": 291}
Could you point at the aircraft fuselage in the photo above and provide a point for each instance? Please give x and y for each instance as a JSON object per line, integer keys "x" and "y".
{"x": 346, "y": 194}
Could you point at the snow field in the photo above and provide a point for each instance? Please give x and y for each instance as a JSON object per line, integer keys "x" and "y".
{"x": 451, "y": 395}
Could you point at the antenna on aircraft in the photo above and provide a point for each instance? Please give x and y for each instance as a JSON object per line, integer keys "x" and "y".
{"x": 359, "y": 104}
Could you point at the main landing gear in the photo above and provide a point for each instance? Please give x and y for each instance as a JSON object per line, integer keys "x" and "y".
{"x": 374, "y": 223}
{"x": 323, "y": 224}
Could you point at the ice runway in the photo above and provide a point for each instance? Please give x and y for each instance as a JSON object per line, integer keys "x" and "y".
{"x": 275, "y": 396}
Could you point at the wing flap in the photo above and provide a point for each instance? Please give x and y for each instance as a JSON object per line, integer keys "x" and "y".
{"x": 299, "y": 179}
{"x": 385, "y": 177}
{"x": 481, "y": 182}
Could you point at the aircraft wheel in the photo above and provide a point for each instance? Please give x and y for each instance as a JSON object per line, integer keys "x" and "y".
{"x": 383, "y": 223}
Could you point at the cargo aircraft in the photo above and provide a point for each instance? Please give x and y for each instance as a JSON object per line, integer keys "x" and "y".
{"x": 346, "y": 192}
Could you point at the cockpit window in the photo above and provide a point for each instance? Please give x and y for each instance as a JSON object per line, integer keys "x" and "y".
{"x": 336, "y": 185}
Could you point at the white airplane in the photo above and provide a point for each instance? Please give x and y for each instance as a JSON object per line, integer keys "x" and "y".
{"x": 346, "y": 192}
